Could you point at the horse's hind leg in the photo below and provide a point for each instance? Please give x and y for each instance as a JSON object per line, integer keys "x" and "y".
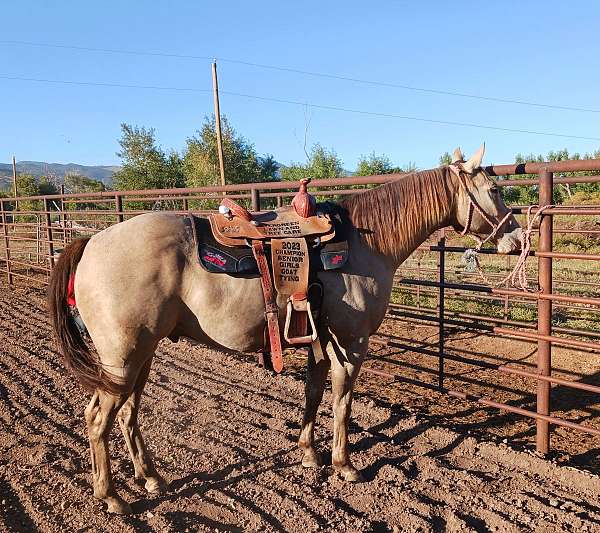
{"x": 316, "y": 375}
{"x": 100, "y": 416}
{"x": 128, "y": 420}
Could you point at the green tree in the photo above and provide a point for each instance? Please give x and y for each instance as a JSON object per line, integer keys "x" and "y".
{"x": 268, "y": 167}
{"x": 78, "y": 184}
{"x": 47, "y": 186}
{"x": 411, "y": 166}
{"x": 373, "y": 165}
{"x": 445, "y": 159}
{"x": 321, "y": 164}
{"x": 145, "y": 165}
{"x": 528, "y": 194}
{"x": 201, "y": 158}
{"x": 523, "y": 194}
{"x": 27, "y": 186}
{"x": 580, "y": 191}
{"x": 173, "y": 176}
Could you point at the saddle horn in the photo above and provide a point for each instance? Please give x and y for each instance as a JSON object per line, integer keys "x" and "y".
{"x": 304, "y": 203}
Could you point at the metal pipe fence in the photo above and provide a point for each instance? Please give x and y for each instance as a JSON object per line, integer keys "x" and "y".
{"x": 427, "y": 287}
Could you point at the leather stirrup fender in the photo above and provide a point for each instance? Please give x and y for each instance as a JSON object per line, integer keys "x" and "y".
{"x": 271, "y": 309}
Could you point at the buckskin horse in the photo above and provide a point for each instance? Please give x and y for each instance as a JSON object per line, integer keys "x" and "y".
{"x": 152, "y": 259}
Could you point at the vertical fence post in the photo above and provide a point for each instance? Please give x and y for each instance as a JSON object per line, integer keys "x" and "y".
{"x": 419, "y": 277}
{"x": 14, "y": 176}
{"x": 49, "y": 232}
{"x": 544, "y": 355}
{"x": 119, "y": 207}
{"x": 255, "y": 194}
{"x": 38, "y": 238}
{"x": 6, "y": 243}
{"x": 63, "y": 216}
{"x": 441, "y": 278}
{"x": 279, "y": 201}
{"x": 507, "y": 285}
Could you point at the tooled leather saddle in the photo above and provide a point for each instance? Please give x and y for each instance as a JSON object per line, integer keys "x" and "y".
{"x": 286, "y": 248}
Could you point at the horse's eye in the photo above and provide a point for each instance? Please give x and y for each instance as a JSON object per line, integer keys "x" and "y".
{"x": 494, "y": 190}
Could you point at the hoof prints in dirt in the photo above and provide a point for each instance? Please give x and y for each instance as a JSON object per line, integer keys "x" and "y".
{"x": 223, "y": 433}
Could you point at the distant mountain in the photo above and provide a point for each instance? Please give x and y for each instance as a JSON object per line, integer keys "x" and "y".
{"x": 56, "y": 170}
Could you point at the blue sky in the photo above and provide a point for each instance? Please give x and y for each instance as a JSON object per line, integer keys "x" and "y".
{"x": 546, "y": 52}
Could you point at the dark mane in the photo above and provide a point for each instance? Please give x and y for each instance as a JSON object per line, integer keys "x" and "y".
{"x": 390, "y": 215}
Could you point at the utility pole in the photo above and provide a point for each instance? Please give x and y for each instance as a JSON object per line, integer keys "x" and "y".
{"x": 15, "y": 181}
{"x": 218, "y": 122}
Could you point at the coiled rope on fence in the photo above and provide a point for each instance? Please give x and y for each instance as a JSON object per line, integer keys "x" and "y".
{"x": 518, "y": 276}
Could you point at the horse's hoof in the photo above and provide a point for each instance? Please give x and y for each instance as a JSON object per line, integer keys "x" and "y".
{"x": 354, "y": 476}
{"x": 156, "y": 485}
{"x": 117, "y": 505}
{"x": 350, "y": 474}
{"x": 311, "y": 459}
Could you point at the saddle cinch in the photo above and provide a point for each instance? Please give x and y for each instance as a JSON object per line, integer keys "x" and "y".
{"x": 303, "y": 238}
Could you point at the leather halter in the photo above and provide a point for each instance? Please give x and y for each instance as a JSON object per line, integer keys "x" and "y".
{"x": 459, "y": 171}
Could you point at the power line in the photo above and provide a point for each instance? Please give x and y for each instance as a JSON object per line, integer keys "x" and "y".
{"x": 106, "y": 84}
{"x": 313, "y": 74}
{"x": 303, "y": 104}
{"x": 105, "y": 50}
{"x": 407, "y": 117}
{"x": 414, "y": 88}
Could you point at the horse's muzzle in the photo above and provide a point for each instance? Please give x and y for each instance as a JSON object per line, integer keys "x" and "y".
{"x": 510, "y": 242}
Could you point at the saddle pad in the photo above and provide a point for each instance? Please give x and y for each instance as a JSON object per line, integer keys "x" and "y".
{"x": 217, "y": 258}
{"x": 281, "y": 224}
{"x": 290, "y": 265}
{"x": 334, "y": 255}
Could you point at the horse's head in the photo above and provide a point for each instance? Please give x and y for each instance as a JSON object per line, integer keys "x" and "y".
{"x": 480, "y": 211}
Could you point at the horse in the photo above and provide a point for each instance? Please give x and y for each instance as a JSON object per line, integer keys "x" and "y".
{"x": 139, "y": 281}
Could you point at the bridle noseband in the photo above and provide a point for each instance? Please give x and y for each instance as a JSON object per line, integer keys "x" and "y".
{"x": 459, "y": 171}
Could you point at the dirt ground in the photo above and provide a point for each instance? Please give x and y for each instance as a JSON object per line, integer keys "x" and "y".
{"x": 224, "y": 435}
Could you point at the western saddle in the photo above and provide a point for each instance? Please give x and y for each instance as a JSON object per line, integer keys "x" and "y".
{"x": 302, "y": 240}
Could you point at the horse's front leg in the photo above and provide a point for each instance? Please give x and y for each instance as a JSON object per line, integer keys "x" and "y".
{"x": 345, "y": 365}
{"x": 316, "y": 376}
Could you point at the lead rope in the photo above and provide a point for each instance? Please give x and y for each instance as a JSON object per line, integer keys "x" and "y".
{"x": 518, "y": 276}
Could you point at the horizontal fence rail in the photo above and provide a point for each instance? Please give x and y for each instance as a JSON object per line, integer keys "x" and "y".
{"x": 431, "y": 287}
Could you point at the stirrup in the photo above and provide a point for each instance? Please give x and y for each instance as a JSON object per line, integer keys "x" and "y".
{"x": 299, "y": 305}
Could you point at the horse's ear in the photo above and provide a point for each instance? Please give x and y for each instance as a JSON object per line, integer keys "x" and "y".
{"x": 457, "y": 155}
{"x": 475, "y": 161}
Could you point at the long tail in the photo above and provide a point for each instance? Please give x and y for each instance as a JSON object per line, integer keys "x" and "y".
{"x": 77, "y": 355}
